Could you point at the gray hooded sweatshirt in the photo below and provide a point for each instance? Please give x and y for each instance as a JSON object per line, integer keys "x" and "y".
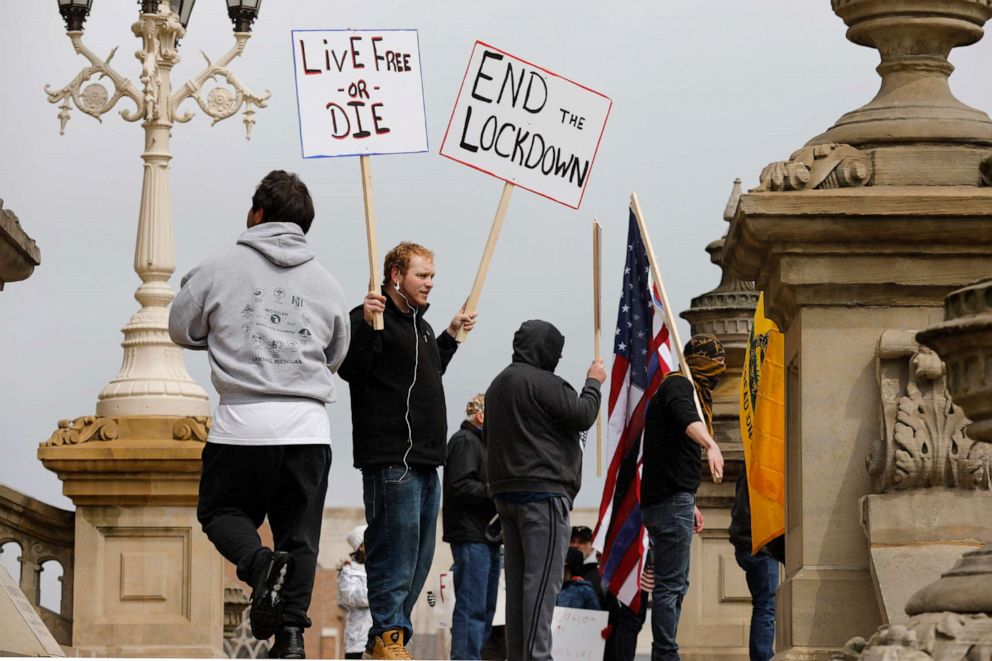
{"x": 272, "y": 319}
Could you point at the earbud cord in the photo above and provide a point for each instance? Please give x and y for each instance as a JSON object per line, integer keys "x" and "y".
{"x": 409, "y": 392}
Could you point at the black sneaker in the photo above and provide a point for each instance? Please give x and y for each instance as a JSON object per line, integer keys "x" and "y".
{"x": 288, "y": 644}
{"x": 267, "y": 605}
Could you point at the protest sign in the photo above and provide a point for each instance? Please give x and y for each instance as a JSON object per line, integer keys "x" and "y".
{"x": 577, "y": 633}
{"x": 526, "y": 125}
{"x": 359, "y": 92}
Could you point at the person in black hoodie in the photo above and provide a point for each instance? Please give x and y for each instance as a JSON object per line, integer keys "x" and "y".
{"x": 532, "y": 431}
{"x": 465, "y": 514}
{"x": 399, "y": 429}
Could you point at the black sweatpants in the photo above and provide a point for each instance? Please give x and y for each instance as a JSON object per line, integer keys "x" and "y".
{"x": 241, "y": 485}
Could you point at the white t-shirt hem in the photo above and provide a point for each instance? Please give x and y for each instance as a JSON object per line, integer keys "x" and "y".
{"x": 224, "y": 440}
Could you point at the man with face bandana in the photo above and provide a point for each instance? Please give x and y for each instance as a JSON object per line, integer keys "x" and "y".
{"x": 532, "y": 430}
{"x": 673, "y": 436}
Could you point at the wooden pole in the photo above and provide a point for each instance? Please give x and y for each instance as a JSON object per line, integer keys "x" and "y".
{"x": 374, "y": 279}
{"x": 480, "y": 276}
{"x": 669, "y": 321}
{"x": 597, "y": 235}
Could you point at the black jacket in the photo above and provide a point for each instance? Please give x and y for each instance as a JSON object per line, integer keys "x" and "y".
{"x": 672, "y": 460}
{"x": 380, "y": 368}
{"x": 533, "y": 418}
{"x": 467, "y": 508}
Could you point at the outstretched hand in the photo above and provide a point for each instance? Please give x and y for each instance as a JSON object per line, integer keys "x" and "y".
{"x": 597, "y": 370}
{"x": 715, "y": 459}
{"x": 462, "y": 320}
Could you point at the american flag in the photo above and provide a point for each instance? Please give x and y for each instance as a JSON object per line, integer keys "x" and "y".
{"x": 642, "y": 357}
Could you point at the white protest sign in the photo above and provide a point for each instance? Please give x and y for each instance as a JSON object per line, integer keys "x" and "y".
{"x": 359, "y": 92}
{"x": 577, "y": 633}
{"x": 526, "y": 125}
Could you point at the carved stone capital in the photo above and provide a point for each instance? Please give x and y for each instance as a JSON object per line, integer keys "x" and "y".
{"x": 83, "y": 430}
{"x": 923, "y": 441}
{"x": 195, "y": 428}
{"x": 818, "y": 166}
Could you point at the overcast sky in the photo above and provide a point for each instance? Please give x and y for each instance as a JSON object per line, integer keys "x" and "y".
{"x": 702, "y": 93}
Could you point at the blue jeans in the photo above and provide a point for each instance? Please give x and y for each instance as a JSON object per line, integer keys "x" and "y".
{"x": 762, "y": 580}
{"x": 669, "y": 523}
{"x": 476, "y": 572}
{"x": 401, "y": 510}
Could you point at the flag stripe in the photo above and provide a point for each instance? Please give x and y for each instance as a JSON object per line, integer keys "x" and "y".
{"x": 641, "y": 357}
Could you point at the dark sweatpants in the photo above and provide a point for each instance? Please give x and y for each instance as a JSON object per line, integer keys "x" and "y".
{"x": 241, "y": 485}
{"x": 535, "y": 538}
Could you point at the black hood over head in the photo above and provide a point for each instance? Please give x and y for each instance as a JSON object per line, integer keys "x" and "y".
{"x": 538, "y": 343}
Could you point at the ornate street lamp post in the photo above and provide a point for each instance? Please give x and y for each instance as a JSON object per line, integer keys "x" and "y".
{"x": 153, "y": 379}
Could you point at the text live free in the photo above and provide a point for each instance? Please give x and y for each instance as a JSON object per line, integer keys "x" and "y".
{"x": 359, "y": 92}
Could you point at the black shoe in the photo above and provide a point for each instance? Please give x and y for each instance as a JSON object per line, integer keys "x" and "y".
{"x": 267, "y": 605}
{"x": 288, "y": 645}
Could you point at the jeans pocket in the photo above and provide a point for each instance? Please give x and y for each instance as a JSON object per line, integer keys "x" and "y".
{"x": 397, "y": 475}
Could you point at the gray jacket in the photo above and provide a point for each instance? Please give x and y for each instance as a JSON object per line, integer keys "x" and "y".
{"x": 272, "y": 319}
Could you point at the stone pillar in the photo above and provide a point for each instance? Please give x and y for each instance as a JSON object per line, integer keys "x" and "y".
{"x": 864, "y": 229}
{"x": 147, "y": 580}
{"x": 716, "y": 614}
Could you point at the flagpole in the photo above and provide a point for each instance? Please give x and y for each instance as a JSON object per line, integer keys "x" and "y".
{"x": 597, "y": 234}
{"x": 635, "y": 205}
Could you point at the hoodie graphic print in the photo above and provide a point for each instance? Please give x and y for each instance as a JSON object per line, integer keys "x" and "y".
{"x": 272, "y": 319}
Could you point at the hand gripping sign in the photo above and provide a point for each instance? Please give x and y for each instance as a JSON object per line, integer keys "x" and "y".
{"x": 527, "y": 126}
{"x": 360, "y": 93}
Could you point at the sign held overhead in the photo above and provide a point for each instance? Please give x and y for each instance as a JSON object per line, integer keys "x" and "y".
{"x": 359, "y": 92}
{"x": 526, "y": 125}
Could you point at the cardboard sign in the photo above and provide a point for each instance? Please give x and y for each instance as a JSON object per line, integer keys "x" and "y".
{"x": 577, "y": 633}
{"x": 525, "y": 125}
{"x": 359, "y": 92}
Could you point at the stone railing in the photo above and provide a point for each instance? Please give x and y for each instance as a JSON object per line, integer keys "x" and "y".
{"x": 44, "y": 533}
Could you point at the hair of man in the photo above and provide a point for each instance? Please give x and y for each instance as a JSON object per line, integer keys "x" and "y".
{"x": 283, "y": 197}
{"x": 399, "y": 258}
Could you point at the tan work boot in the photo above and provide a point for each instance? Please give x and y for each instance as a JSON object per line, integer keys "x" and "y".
{"x": 388, "y": 646}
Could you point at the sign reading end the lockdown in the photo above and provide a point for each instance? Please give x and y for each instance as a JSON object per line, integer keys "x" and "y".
{"x": 526, "y": 125}
{"x": 359, "y": 92}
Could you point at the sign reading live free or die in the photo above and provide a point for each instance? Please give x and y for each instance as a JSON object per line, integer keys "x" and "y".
{"x": 359, "y": 92}
{"x": 526, "y": 125}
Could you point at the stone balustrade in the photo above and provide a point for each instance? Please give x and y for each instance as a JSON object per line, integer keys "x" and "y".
{"x": 43, "y": 533}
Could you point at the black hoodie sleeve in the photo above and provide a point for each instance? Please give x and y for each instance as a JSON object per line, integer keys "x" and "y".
{"x": 446, "y": 346}
{"x": 462, "y": 471}
{"x": 365, "y": 344}
{"x": 575, "y": 413}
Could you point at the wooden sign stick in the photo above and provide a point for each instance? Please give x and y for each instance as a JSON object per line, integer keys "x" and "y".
{"x": 597, "y": 235}
{"x": 656, "y": 271}
{"x": 374, "y": 279}
{"x": 487, "y": 255}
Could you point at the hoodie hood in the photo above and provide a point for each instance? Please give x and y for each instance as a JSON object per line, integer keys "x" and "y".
{"x": 538, "y": 343}
{"x": 283, "y": 244}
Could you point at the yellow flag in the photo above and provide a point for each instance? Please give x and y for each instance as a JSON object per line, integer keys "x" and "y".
{"x": 763, "y": 427}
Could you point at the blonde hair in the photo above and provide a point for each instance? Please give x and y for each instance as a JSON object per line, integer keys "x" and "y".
{"x": 400, "y": 257}
{"x": 475, "y": 405}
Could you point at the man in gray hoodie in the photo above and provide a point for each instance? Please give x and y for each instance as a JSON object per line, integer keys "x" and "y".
{"x": 532, "y": 429}
{"x": 275, "y": 326}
